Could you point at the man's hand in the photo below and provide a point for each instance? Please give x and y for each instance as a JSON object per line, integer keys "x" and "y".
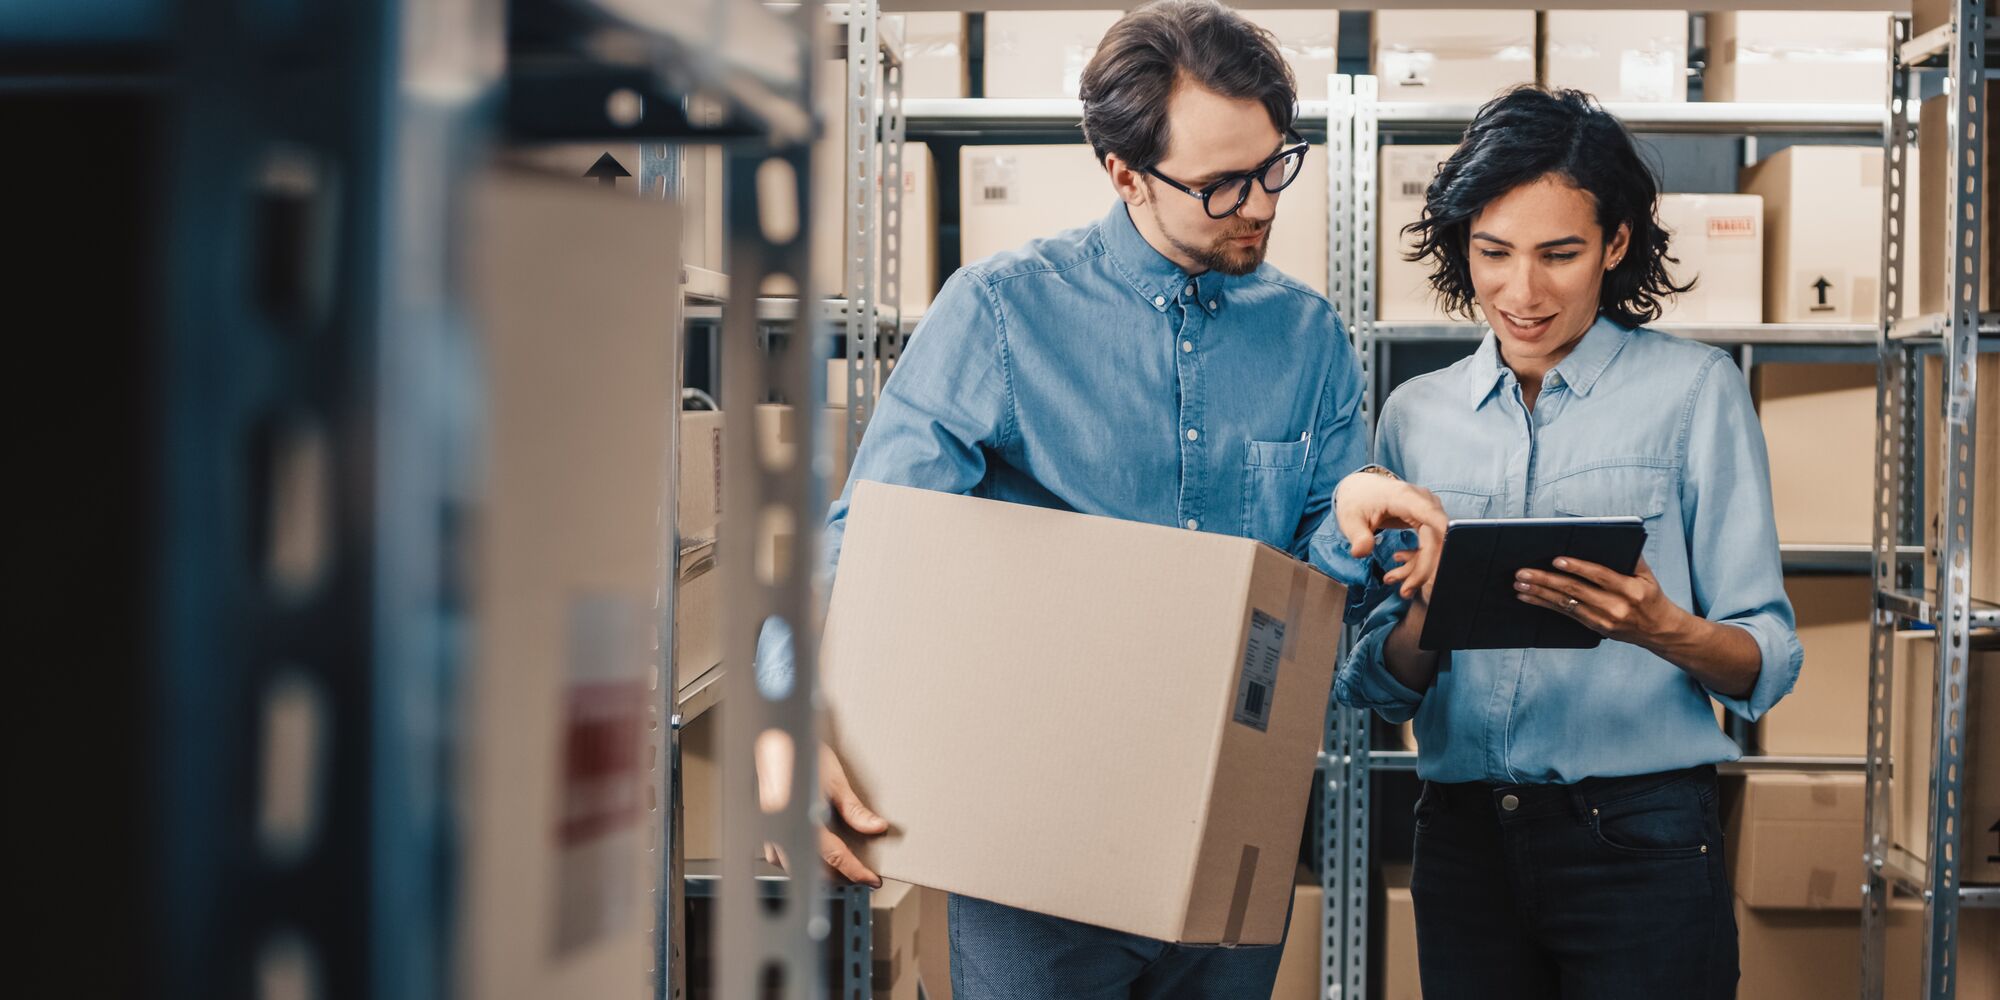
{"x": 1368, "y": 502}
{"x": 1627, "y": 608}
{"x": 773, "y": 781}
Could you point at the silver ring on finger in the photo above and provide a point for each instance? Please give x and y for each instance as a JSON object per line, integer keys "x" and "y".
{"x": 1571, "y": 605}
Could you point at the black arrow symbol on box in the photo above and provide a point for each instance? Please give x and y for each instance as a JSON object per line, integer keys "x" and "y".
{"x": 1995, "y": 831}
{"x": 1820, "y": 286}
{"x": 607, "y": 170}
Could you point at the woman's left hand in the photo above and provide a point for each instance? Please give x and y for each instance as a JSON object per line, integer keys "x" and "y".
{"x": 1627, "y": 608}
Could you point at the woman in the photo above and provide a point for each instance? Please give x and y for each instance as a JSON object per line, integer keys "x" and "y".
{"x": 1567, "y": 838}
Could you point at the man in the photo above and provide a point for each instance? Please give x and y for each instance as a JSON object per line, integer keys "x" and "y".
{"x": 1149, "y": 366}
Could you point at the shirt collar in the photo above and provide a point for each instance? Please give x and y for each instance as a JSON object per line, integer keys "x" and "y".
{"x": 1159, "y": 281}
{"x": 1580, "y": 370}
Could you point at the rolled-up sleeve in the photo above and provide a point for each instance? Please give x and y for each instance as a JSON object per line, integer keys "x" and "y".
{"x": 1363, "y": 680}
{"x": 946, "y": 406}
{"x": 1734, "y": 566}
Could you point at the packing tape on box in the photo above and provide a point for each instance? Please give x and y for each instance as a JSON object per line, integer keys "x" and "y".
{"x": 1239, "y": 901}
{"x": 1289, "y": 652}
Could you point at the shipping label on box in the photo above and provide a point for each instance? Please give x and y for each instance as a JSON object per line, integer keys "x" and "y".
{"x": 1035, "y": 648}
{"x": 1719, "y": 241}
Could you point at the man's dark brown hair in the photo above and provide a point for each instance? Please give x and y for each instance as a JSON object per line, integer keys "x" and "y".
{"x": 1151, "y": 50}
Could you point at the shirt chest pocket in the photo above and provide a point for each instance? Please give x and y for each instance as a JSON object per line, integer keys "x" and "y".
{"x": 1616, "y": 491}
{"x": 1274, "y": 490}
{"x": 1462, "y": 503}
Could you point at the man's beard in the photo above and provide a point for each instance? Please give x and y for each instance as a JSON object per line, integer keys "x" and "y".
{"x": 1223, "y": 255}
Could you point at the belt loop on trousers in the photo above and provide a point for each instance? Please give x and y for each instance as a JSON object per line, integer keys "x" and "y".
{"x": 1579, "y": 803}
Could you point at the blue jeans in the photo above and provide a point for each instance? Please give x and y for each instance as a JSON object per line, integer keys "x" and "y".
{"x": 1610, "y": 888}
{"x": 1001, "y": 953}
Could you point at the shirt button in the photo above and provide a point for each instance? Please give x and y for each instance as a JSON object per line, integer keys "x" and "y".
{"x": 1159, "y": 300}
{"x": 1211, "y": 303}
{"x": 1194, "y": 525}
{"x": 1194, "y": 435}
{"x": 1187, "y": 347}
{"x": 1510, "y": 802}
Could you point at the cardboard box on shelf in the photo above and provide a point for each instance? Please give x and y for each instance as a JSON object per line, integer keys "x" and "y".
{"x": 1202, "y": 783}
{"x": 568, "y": 538}
{"x": 1043, "y": 53}
{"x": 897, "y": 912}
{"x": 1830, "y": 57}
{"x": 1794, "y": 841}
{"x": 1810, "y": 955}
{"x": 701, "y": 790}
{"x": 1822, "y": 233}
{"x": 698, "y": 489}
{"x": 934, "y": 51}
{"x": 1403, "y": 288}
{"x": 1400, "y": 979}
{"x": 1618, "y": 55}
{"x": 1934, "y": 205}
{"x": 1009, "y": 195}
{"x": 1298, "y": 966}
{"x": 697, "y": 612}
{"x": 702, "y": 211}
{"x": 1928, "y": 14}
{"x": 918, "y": 264}
{"x": 1819, "y": 428}
{"x": 1983, "y": 564}
{"x": 1911, "y": 736}
{"x": 1719, "y": 241}
{"x": 934, "y": 944}
{"x": 1826, "y": 714}
{"x": 1453, "y": 56}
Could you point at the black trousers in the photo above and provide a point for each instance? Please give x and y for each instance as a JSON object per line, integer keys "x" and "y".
{"x": 1607, "y": 889}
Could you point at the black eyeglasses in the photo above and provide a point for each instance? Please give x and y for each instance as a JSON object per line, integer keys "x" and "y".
{"x": 1225, "y": 197}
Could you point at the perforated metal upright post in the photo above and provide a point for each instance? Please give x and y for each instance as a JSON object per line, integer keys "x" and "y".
{"x": 1966, "y": 177}
{"x": 1892, "y": 510}
{"x": 864, "y": 159}
{"x": 893, "y": 130}
{"x": 771, "y": 947}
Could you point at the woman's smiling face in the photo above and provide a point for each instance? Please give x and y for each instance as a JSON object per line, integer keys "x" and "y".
{"x": 1538, "y": 260}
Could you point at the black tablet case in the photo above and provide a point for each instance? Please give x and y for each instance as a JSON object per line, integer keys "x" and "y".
{"x": 1473, "y": 601}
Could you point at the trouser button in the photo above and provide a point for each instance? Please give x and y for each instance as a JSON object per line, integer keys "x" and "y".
{"x": 1510, "y": 802}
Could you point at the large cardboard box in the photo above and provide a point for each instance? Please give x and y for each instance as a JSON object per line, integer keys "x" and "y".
{"x": 1719, "y": 241}
{"x": 1144, "y": 759}
{"x": 1009, "y": 195}
{"x": 1618, "y": 55}
{"x": 1794, "y": 841}
{"x": 1826, "y": 715}
{"x": 697, "y": 612}
{"x": 1299, "y": 974}
{"x": 701, "y": 790}
{"x": 1822, "y": 233}
{"x": 1402, "y": 287}
{"x": 1819, "y": 428}
{"x": 1935, "y": 204}
{"x": 1813, "y": 955}
{"x": 1911, "y": 736}
{"x": 896, "y": 910}
{"x": 1984, "y": 563}
{"x": 1400, "y": 978}
{"x": 569, "y": 545}
{"x": 1455, "y": 56}
{"x": 1043, "y": 53}
{"x": 1828, "y": 57}
{"x": 934, "y": 51}
{"x": 619, "y": 166}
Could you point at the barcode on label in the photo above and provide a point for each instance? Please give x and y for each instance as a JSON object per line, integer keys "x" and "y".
{"x": 1258, "y": 680}
{"x": 993, "y": 192}
{"x": 1414, "y": 189}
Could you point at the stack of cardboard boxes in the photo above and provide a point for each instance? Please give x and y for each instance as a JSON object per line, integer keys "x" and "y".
{"x": 1042, "y": 54}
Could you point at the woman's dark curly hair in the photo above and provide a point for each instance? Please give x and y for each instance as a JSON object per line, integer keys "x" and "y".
{"x": 1520, "y": 137}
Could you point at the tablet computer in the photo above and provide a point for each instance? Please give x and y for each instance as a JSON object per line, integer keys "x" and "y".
{"x": 1473, "y": 601}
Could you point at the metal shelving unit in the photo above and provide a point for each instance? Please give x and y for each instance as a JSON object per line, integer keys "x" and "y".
{"x": 1960, "y": 51}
